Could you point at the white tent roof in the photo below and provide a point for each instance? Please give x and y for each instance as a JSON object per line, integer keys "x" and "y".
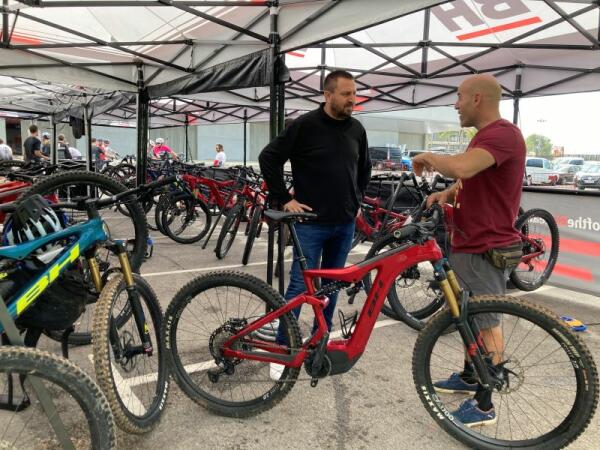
{"x": 170, "y": 38}
{"x": 417, "y": 60}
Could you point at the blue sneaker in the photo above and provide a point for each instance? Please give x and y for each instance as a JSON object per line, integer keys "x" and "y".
{"x": 455, "y": 385}
{"x": 471, "y": 416}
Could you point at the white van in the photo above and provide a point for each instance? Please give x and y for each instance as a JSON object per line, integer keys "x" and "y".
{"x": 539, "y": 171}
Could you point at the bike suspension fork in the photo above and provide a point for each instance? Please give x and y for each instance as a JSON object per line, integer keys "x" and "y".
{"x": 134, "y": 299}
{"x": 468, "y": 330}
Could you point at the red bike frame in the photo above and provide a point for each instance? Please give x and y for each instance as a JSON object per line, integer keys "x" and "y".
{"x": 394, "y": 220}
{"x": 214, "y": 187}
{"x": 343, "y": 353}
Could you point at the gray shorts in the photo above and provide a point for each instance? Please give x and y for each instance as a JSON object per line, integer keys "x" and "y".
{"x": 476, "y": 274}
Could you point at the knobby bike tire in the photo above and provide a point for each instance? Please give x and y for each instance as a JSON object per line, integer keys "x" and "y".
{"x": 82, "y": 334}
{"x": 253, "y": 231}
{"x": 126, "y": 419}
{"x": 106, "y": 184}
{"x": 13, "y": 165}
{"x": 394, "y": 308}
{"x": 65, "y": 375}
{"x": 194, "y": 209}
{"x": 517, "y": 277}
{"x": 194, "y": 294}
{"x": 576, "y": 357}
{"x": 163, "y": 202}
{"x": 229, "y": 230}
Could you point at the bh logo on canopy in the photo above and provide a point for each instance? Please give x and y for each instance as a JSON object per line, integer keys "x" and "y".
{"x": 501, "y": 14}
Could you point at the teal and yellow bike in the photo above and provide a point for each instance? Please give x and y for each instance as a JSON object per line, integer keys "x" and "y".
{"x": 47, "y": 256}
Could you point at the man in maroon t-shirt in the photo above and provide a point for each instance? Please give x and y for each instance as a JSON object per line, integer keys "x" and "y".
{"x": 486, "y": 201}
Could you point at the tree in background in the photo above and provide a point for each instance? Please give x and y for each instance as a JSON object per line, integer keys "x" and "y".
{"x": 539, "y": 145}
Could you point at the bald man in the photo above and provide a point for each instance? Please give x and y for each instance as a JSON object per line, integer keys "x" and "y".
{"x": 486, "y": 199}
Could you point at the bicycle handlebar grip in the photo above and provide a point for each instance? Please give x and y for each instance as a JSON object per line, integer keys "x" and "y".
{"x": 406, "y": 231}
{"x": 8, "y": 207}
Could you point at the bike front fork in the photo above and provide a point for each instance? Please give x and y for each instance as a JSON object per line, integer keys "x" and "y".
{"x": 457, "y": 300}
{"x": 134, "y": 302}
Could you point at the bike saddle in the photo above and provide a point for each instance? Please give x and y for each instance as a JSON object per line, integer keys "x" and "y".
{"x": 281, "y": 216}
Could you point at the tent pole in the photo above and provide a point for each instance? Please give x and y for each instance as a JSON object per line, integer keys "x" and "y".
{"x": 274, "y": 41}
{"x": 186, "y": 138}
{"x": 5, "y": 30}
{"x": 281, "y": 105}
{"x": 518, "y": 93}
{"x": 54, "y": 151}
{"x": 143, "y": 102}
{"x": 245, "y": 134}
{"x": 87, "y": 122}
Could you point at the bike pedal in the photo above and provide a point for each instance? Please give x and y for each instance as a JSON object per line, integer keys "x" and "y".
{"x": 314, "y": 382}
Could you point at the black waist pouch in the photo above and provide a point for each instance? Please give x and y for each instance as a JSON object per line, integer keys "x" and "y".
{"x": 505, "y": 257}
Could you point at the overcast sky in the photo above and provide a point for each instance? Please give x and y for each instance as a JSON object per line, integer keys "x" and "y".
{"x": 568, "y": 120}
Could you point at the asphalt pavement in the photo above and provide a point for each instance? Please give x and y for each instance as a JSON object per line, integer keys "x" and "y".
{"x": 375, "y": 405}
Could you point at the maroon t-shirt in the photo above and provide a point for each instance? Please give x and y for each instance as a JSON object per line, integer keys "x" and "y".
{"x": 486, "y": 205}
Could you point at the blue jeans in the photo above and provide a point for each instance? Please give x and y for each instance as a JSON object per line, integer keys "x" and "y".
{"x": 328, "y": 244}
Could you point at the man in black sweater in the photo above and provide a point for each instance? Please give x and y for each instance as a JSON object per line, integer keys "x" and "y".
{"x": 331, "y": 168}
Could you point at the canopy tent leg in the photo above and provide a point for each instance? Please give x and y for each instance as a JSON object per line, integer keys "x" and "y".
{"x": 54, "y": 150}
{"x": 143, "y": 102}
{"x": 87, "y": 121}
{"x": 518, "y": 93}
{"x": 245, "y": 135}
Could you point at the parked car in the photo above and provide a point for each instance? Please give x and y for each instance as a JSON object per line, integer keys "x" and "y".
{"x": 387, "y": 158}
{"x": 567, "y": 172}
{"x": 567, "y": 160}
{"x": 588, "y": 177}
{"x": 539, "y": 171}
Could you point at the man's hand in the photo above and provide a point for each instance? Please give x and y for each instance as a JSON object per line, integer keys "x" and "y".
{"x": 438, "y": 197}
{"x": 294, "y": 206}
{"x": 421, "y": 162}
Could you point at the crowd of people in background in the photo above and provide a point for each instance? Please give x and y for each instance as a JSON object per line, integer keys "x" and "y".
{"x": 36, "y": 149}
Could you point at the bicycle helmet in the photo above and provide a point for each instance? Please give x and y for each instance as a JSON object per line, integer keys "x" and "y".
{"x": 32, "y": 219}
{"x": 160, "y": 141}
{"x": 62, "y": 303}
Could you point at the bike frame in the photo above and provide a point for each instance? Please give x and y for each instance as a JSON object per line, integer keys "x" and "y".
{"x": 391, "y": 220}
{"x": 343, "y": 353}
{"x": 87, "y": 235}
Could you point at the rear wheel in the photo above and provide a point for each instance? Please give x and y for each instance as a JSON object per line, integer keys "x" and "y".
{"x": 199, "y": 320}
{"x": 540, "y": 235}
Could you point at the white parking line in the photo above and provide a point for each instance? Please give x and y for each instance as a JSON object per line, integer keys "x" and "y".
{"x": 202, "y": 366}
{"x": 232, "y": 266}
{"x": 537, "y": 291}
{"x": 126, "y": 393}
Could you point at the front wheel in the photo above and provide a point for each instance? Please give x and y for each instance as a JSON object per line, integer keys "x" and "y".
{"x": 541, "y": 241}
{"x": 134, "y": 378}
{"x": 546, "y": 381}
{"x": 186, "y": 220}
{"x": 229, "y": 230}
{"x": 202, "y": 316}
{"x": 254, "y": 228}
{"x": 80, "y": 405}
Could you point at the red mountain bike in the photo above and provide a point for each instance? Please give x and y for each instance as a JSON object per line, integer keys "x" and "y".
{"x": 220, "y": 359}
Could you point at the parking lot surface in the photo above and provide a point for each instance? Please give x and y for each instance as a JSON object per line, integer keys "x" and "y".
{"x": 375, "y": 405}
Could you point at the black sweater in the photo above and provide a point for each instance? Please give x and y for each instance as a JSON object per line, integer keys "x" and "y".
{"x": 330, "y": 165}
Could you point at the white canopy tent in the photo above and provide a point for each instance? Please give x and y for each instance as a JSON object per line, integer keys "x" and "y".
{"x": 405, "y": 54}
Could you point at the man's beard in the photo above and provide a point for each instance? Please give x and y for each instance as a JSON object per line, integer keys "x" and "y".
{"x": 340, "y": 111}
